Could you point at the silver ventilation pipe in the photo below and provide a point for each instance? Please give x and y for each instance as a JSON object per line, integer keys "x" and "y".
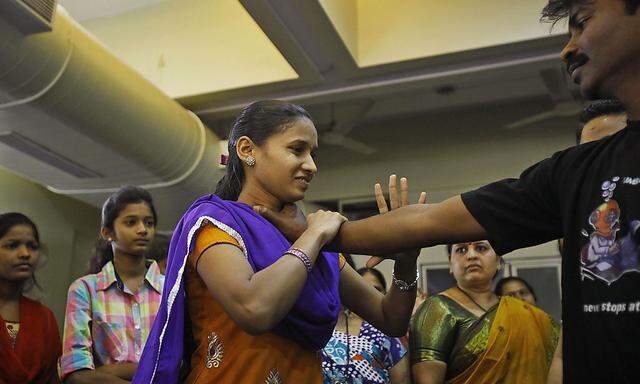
{"x": 62, "y": 92}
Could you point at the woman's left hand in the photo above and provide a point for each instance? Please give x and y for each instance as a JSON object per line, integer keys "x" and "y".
{"x": 395, "y": 201}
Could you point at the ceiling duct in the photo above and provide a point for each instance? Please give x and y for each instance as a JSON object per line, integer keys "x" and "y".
{"x": 46, "y": 155}
{"x": 29, "y": 16}
{"x": 66, "y": 92}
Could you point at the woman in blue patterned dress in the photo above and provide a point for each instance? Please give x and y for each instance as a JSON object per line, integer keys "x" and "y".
{"x": 374, "y": 358}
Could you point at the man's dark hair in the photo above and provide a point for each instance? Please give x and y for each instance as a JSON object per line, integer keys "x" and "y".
{"x": 557, "y": 10}
{"x": 596, "y": 109}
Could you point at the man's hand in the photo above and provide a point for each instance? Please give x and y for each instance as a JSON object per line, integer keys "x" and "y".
{"x": 290, "y": 220}
{"x": 395, "y": 202}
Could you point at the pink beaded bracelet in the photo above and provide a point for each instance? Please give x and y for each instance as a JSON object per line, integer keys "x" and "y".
{"x": 301, "y": 256}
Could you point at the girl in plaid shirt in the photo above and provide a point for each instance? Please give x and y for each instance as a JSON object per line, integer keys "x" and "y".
{"x": 111, "y": 310}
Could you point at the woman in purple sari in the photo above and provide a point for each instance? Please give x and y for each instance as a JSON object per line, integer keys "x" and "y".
{"x": 241, "y": 304}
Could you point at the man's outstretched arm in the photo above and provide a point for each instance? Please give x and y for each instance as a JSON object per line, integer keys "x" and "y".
{"x": 406, "y": 228}
{"x": 411, "y": 227}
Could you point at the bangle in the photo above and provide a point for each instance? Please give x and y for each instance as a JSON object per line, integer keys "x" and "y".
{"x": 301, "y": 256}
{"x": 403, "y": 285}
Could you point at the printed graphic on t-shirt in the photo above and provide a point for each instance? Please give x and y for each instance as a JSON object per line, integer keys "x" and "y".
{"x": 607, "y": 256}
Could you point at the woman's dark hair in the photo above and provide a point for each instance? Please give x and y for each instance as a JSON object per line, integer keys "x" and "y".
{"x": 159, "y": 247}
{"x": 10, "y": 220}
{"x": 375, "y": 273}
{"x": 116, "y": 203}
{"x": 500, "y": 285}
{"x": 258, "y": 121}
{"x": 557, "y": 10}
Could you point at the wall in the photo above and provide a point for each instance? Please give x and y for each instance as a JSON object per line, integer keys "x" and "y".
{"x": 67, "y": 229}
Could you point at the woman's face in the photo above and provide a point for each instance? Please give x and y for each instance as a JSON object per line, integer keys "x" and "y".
{"x": 133, "y": 229}
{"x": 517, "y": 289}
{"x": 373, "y": 280}
{"x": 285, "y": 163}
{"x": 19, "y": 254}
{"x": 473, "y": 263}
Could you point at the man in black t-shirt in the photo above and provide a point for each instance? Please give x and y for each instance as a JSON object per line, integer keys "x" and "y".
{"x": 589, "y": 194}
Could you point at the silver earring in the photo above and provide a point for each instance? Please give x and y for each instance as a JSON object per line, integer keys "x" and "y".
{"x": 251, "y": 161}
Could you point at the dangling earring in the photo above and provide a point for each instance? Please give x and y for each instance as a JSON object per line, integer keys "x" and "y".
{"x": 251, "y": 161}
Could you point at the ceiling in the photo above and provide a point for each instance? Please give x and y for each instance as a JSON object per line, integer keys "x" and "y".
{"x": 216, "y": 57}
{"x": 316, "y": 52}
{"x": 84, "y": 10}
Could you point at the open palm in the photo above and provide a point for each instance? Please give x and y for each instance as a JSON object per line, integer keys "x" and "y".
{"x": 395, "y": 201}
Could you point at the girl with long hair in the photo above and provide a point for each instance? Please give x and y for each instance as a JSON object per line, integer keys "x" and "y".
{"x": 110, "y": 311}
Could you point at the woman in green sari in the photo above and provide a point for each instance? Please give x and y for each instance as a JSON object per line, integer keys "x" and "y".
{"x": 467, "y": 334}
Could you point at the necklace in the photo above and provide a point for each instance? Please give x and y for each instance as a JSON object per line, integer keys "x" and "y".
{"x": 347, "y": 313}
{"x": 471, "y": 298}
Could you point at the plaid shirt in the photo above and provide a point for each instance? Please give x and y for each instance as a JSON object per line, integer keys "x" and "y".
{"x": 105, "y": 322}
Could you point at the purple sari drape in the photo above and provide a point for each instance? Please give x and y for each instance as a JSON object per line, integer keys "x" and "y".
{"x": 310, "y": 322}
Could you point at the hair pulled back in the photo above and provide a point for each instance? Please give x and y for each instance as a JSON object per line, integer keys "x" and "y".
{"x": 258, "y": 121}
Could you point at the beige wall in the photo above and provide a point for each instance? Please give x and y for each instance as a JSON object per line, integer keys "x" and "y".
{"x": 67, "y": 229}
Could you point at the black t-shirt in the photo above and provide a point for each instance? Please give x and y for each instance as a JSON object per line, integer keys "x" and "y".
{"x": 590, "y": 195}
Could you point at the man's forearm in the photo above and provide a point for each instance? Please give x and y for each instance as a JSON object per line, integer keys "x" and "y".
{"x": 410, "y": 227}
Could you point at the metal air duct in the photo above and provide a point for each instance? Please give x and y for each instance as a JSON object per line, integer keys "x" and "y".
{"x": 65, "y": 92}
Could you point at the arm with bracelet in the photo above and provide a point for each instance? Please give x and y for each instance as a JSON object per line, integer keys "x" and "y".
{"x": 259, "y": 301}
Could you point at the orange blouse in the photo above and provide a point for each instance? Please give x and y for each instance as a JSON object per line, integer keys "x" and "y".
{"x": 224, "y": 353}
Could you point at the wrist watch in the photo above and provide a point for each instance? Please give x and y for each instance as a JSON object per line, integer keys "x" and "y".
{"x": 403, "y": 285}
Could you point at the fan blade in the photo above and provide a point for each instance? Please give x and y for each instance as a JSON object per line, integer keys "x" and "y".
{"x": 557, "y": 85}
{"x": 569, "y": 108}
{"x": 348, "y": 143}
{"x": 346, "y": 125}
{"x": 357, "y": 146}
{"x": 331, "y": 138}
{"x": 531, "y": 119}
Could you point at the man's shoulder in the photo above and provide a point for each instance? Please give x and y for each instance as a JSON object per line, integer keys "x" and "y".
{"x": 579, "y": 155}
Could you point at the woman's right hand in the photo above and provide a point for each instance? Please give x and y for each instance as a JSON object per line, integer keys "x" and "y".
{"x": 325, "y": 224}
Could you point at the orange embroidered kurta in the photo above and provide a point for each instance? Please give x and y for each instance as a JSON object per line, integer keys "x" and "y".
{"x": 224, "y": 353}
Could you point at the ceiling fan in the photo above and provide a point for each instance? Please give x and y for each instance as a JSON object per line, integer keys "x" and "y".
{"x": 566, "y": 103}
{"x": 337, "y": 132}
